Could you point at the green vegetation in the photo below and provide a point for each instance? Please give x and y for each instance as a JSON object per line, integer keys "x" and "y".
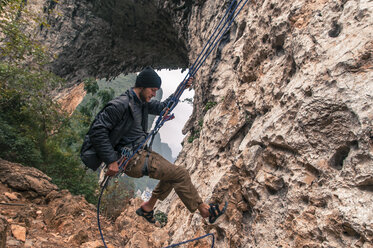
{"x": 196, "y": 132}
{"x": 33, "y": 129}
{"x": 194, "y": 135}
{"x": 116, "y": 197}
{"x": 210, "y": 105}
{"x": 100, "y": 92}
{"x": 161, "y": 217}
{"x": 200, "y": 123}
{"x": 3, "y": 3}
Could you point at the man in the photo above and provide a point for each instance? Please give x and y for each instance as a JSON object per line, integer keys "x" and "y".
{"x": 123, "y": 123}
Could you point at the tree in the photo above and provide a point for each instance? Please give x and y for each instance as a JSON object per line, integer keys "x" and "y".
{"x": 116, "y": 197}
{"x": 34, "y": 130}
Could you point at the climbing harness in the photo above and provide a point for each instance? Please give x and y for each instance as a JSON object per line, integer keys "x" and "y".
{"x": 221, "y": 29}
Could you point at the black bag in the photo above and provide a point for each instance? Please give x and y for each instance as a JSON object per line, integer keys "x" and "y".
{"x": 90, "y": 159}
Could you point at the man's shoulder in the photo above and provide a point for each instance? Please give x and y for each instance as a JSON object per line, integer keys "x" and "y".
{"x": 121, "y": 101}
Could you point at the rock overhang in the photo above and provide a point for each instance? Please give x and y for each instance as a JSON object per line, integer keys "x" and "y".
{"x": 103, "y": 39}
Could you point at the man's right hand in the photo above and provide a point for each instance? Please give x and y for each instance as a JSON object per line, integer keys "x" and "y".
{"x": 189, "y": 83}
{"x": 113, "y": 169}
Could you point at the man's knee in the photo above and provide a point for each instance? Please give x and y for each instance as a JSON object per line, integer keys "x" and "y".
{"x": 182, "y": 173}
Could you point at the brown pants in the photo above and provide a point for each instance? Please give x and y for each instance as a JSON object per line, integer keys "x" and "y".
{"x": 170, "y": 176}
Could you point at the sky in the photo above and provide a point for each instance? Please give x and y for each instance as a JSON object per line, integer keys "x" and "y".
{"x": 171, "y": 130}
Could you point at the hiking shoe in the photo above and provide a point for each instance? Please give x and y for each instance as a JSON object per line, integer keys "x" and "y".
{"x": 216, "y": 212}
{"x": 149, "y": 216}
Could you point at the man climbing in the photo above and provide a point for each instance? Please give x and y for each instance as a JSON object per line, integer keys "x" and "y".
{"x": 122, "y": 124}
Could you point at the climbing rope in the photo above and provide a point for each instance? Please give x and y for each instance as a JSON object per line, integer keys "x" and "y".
{"x": 191, "y": 240}
{"x": 221, "y": 29}
{"x": 98, "y": 212}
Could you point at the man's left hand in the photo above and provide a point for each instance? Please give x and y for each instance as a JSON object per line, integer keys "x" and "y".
{"x": 113, "y": 169}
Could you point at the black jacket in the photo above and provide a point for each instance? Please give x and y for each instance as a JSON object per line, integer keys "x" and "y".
{"x": 110, "y": 125}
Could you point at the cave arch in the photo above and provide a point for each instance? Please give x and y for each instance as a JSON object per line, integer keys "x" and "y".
{"x": 102, "y": 39}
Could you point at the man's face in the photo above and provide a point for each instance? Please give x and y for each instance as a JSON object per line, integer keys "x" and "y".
{"x": 146, "y": 94}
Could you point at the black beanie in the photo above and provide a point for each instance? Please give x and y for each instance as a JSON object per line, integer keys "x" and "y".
{"x": 148, "y": 78}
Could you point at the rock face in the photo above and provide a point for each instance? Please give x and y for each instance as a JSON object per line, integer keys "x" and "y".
{"x": 29, "y": 180}
{"x": 136, "y": 232}
{"x": 3, "y": 231}
{"x": 70, "y": 98}
{"x": 19, "y": 232}
{"x": 34, "y": 213}
{"x": 54, "y": 218}
{"x": 284, "y": 109}
{"x": 289, "y": 141}
{"x": 106, "y": 38}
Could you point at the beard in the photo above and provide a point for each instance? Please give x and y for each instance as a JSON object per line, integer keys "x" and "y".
{"x": 142, "y": 96}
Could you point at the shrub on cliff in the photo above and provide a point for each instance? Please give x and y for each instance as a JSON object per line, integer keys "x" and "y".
{"x": 34, "y": 130}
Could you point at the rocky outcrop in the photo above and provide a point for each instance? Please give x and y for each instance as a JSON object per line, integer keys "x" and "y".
{"x": 70, "y": 98}
{"x": 136, "y": 232}
{"x": 3, "y": 231}
{"x": 106, "y": 38}
{"x": 49, "y": 217}
{"x": 283, "y": 110}
{"x": 29, "y": 180}
{"x": 35, "y": 213}
{"x": 288, "y": 141}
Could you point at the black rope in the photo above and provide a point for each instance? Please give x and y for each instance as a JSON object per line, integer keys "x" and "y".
{"x": 191, "y": 240}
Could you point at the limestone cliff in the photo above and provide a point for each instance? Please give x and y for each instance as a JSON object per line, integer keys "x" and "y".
{"x": 70, "y": 98}
{"x": 289, "y": 142}
{"x": 285, "y": 103}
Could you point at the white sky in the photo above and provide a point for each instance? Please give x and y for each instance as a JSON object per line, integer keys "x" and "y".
{"x": 171, "y": 130}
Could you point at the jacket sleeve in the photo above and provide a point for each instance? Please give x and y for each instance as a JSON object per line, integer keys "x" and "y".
{"x": 105, "y": 122}
{"x": 156, "y": 107}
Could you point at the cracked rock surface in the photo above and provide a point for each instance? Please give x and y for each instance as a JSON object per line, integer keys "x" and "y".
{"x": 288, "y": 141}
{"x": 282, "y": 126}
{"x": 35, "y": 213}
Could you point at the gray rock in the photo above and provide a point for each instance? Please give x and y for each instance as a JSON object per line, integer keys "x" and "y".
{"x": 29, "y": 180}
{"x": 129, "y": 34}
{"x": 3, "y": 231}
{"x": 287, "y": 135}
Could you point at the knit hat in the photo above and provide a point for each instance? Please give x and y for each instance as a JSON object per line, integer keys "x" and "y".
{"x": 148, "y": 78}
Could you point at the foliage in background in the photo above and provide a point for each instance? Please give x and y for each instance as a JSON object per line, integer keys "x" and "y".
{"x": 100, "y": 92}
{"x": 33, "y": 129}
{"x": 116, "y": 197}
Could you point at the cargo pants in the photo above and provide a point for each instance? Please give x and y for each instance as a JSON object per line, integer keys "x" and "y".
{"x": 170, "y": 176}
